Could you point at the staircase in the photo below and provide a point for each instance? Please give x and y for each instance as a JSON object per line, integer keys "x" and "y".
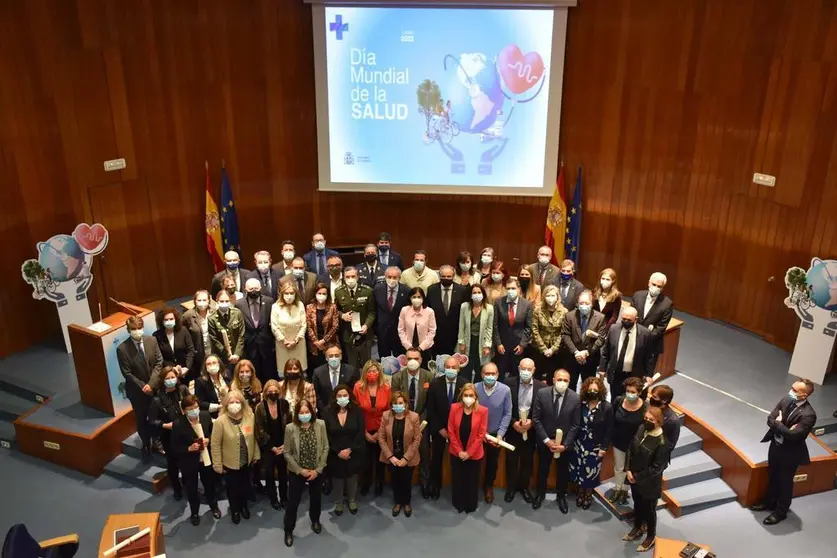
{"x": 129, "y": 468}
{"x": 15, "y": 400}
{"x": 826, "y": 431}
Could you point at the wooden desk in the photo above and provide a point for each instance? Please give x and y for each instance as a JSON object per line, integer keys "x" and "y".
{"x": 671, "y": 342}
{"x": 670, "y": 548}
{"x": 141, "y": 520}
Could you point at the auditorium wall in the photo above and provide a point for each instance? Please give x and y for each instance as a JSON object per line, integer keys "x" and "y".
{"x": 670, "y": 106}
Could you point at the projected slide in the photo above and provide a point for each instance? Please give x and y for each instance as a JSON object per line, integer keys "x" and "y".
{"x": 453, "y": 97}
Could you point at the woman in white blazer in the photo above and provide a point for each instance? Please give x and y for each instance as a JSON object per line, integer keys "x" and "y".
{"x": 287, "y": 322}
{"x": 476, "y": 327}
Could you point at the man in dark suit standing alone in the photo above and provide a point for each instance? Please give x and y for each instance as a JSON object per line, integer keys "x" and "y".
{"x": 140, "y": 362}
{"x": 390, "y": 297}
{"x": 445, "y": 299}
{"x": 789, "y": 425}
{"x": 654, "y": 312}
{"x": 519, "y": 462}
{"x": 583, "y": 332}
{"x": 512, "y": 329}
{"x": 443, "y": 392}
{"x": 626, "y": 352}
{"x": 558, "y": 407}
{"x": 259, "y": 345}
{"x": 568, "y": 286}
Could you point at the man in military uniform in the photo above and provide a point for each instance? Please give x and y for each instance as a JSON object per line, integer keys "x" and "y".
{"x": 355, "y": 299}
{"x": 371, "y": 272}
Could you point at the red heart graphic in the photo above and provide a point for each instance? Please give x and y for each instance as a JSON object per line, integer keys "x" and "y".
{"x": 520, "y": 73}
{"x": 91, "y": 239}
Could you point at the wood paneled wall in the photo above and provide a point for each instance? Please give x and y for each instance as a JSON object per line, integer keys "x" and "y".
{"x": 670, "y": 107}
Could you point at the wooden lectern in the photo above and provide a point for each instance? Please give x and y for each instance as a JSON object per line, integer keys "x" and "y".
{"x": 90, "y": 359}
{"x": 154, "y": 542}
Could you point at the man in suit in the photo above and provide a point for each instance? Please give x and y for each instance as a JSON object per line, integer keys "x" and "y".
{"x": 543, "y": 271}
{"x": 303, "y": 281}
{"x": 512, "y": 329}
{"x": 390, "y": 297}
{"x": 443, "y": 392}
{"x": 140, "y": 362}
{"x": 496, "y": 397}
{"x": 233, "y": 267}
{"x": 288, "y": 254}
{"x": 386, "y": 255}
{"x": 445, "y": 299}
{"x": 654, "y": 312}
{"x": 414, "y": 381}
{"x": 371, "y": 272}
{"x": 316, "y": 259}
{"x": 626, "y": 352}
{"x": 259, "y": 345}
{"x": 330, "y": 375}
{"x": 267, "y": 277}
{"x": 558, "y": 407}
{"x": 356, "y": 305}
{"x": 519, "y": 462}
{"x": 583, "y": 332}
{"x": 568, "y": 286}
{"x": 789, "y": 425}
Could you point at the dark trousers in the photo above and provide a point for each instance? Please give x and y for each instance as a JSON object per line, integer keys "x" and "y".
{"x": 645, "y": 512}
{"x": 465, "y": 478}
{"x": 424, "y": 456}
{"x": 562, "y": 470}
{"x": 314, "y": 361}
{"x": 358, "y": 355}
{"x": 519, "y": 462}
{"x": 780, "y": 485}
{"x": 296, "y": 486}
{"x": 402, "y": 484}
{"x": 438, "y": 453}
{"x": 492, "y": 459}
{"x": 172, "y": 465}
{"x": 190, "y": 482}
{"x": 579, "y": 371}
{"x": 238, "y": 483}
{"x": 275, "y": 469}
{"x": 373, "y": 467}
{"x": 264, "y": 360}
{"x": 545, "y": 367}
{"x": 508, "y": 363}
{"x": 389, "y": 344}
{"x": 141, "y": 404}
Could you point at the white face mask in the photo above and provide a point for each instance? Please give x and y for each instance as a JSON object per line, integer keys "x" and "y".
{"x": 136, "y": 334}
{"x": 321, "y": 298}
{"x": 319, "y": 245}
{"x": 418, "y": 266}
{"x": 234, "y": 408}
{"x": 476, "y": 297}
{"x": 417, "y": 301}
{"x": 486, "y": 260}
{"x": 288, "y": 255}
{"x": 543, "y": 260}
{"x": 288, "y": 298}
{"x": 263, "y": 267}
{"x": 392, "y": 283}
{"x": 550, "y": 299}
{"x": 168, "y": 324}
{"x": 606, "y": 283}
{"x": 465, "y": 266}
{"x": 654, "y": 291}
{"x": 213, "y": 369}
{"x": 496, "y": 277}
{"x": 202, "y": 305}
{"x": 244, "y": 378}
{"x": 412, "y": 365}
{"x": 511, "y": 294}
{"x": 468, "y": 401}
{"x": 224, "y": 305}
{"x": 351, "y": 283}
{"x": 525, "y": 375}
{"x": 561, "y": 386}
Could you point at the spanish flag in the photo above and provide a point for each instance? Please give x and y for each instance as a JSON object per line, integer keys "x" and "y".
{"x": 213, "y": 227}
{"x": 556, "y": 220}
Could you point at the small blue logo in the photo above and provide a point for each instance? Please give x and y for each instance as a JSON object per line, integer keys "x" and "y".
{"x": 338, "y": 27}
{"x": 348, "y": 158}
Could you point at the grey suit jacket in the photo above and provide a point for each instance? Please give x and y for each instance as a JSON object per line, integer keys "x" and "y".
{"x": 552, "y": 272}
{"x": 309, "y": 284}
{"x": 292, "y": 453}
{"x": 576, "y": 340}
{"x": 137, "y": 370}
{"x": 401, "y": 382}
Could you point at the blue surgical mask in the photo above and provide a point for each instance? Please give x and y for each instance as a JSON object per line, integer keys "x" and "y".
{"x": 566, "y": 276}
{"x": 631, "y": 396}
{"x": 168, "y": 324}
{"x": 304, "y": 417}
{"x": 489, "y": 380}
{"x": 398, "y": 408}
{"x": 170, "y": 382}
{"x": 333, "y": 362}
{"x": 342, "y": 401}
{"x": 525, "y": 375}
{"x": 584, "y": 309}
{"x": 451, "y": 373}
{"x": 193, "y": 413}
{"x": 792, "y": 395}
{"x": 232, "y": 266}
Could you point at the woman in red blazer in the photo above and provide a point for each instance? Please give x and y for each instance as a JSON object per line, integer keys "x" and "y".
{"x": 467, "y": 426}
{"x": 373, "y": 398}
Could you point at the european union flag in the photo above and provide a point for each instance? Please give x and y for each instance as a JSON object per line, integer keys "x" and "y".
{"x": 574, "y": 222}
{"x": 229, "y": 220}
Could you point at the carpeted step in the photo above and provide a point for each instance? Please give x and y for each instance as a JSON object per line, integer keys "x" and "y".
{"x": 690, "y": 468}
{"x": 23, "y": 389}
{"x": 686, "y": 443}
{"x": 134, "y": 472}
{"x": 691, "y": 498}
{"x": 132, "y": 445}
{"x": 825, "y": 425}
{"x": 605, "y": 490}
{"x": 829, "y": 440}
{"x": 8, "y": 437}
{"x": 12, "y": 406}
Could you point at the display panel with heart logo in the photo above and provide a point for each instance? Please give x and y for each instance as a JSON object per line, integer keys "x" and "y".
{"x": 93, "y": 239}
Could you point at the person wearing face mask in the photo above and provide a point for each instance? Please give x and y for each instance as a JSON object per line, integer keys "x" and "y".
{"x": 140, "y": 362}
{"x": 555, "y": 408}
{"x": 523, "y": 388}
{"x": 414, "y": 382}
{"x": 529, "y": 290}
{"x": 606, "y": 296}
{"x": 419, "y": 275}
{"x": 628, "y": 414}
{"x": 483, "y": 266}
{"x": 661, "y": 396}
{"x": 195, "y": 320}
{"x": 399, "y": 437}
{"x": 356, "y": 305}
{"x": 259, "y": 347}
{"x": 592, "y": 441}
{"x": 245, "y": 381}
{"x": 442, "y": 393}
{"x": 583, "y": 333}
{"x": 512, "y": 328}
{"x": 226, "y": 331}
{"x": 190, "y": 437}
{"x": 335, "y": 275}
{"x": 303, "y": 281}
{"x": 316, "y": 259}
{"x": 496, "y": 398}
{"x": 465, "y": 272}
{"x": 306, "y": 452}
{"x": 647, "y": 458}
{"x": 321, "y": 322}
{"x": 164, "y": 412}
{"x": 476, "y": 332}
{"x": 283, "y": 267}
{"x": 568, "y": 286}
{"x": 544, "y": 271}
{"x": 272, "y": 416}
{"x": 654, "y": 310}
{"x": 445, "y": 299}
{"x": 211, "y": 387}
{"x": 232, "y": 267}
{"x": 627, "y": 351}
{"x": 391, "y": 297}
{"x": 373, "y": 396}
{"x": 267, "y": 276}
{"x": 466, "y": 429}
{"x": 294, "y": 388}
{"x": 228, "y": 284}
{"x": 371, "y": 272}
{"x": 789, "y": 424}
{"x": 494, "y": 282}
{"x": 547, "y": 323}
{"x": 417, "y": 324}
{"x": 333, "y": 373}
{"x": 288, "y": 324}
{"x": 234, "y": 451}
{"x": 175, "y": 344}
{"x": 347, "y": 445}
{"x": 386, "y": 255}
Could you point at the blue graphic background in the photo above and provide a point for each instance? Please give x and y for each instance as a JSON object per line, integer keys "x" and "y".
{"x": 394, "y": 151}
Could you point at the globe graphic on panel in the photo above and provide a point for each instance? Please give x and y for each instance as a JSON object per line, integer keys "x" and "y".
{"x": 62, "y": 256}
{"x": 473, "y": 89}
{"x": 822, "y": 277}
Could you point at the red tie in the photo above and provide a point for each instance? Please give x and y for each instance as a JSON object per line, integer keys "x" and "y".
{"x": 390, "y": 300}
{"x": 511, "y": 313}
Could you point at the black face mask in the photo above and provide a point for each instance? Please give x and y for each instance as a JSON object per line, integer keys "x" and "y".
{"x": 383, "y": 249}
{"x": 446, "y": 282}
{"x": 655, "y": 402}
{"x": 649, "y": 425}
{"x": 628, "y": 325}
{"x": 591, "y": 396}
{"x": 524, "y": 282}
{"x": 273, "y": 396}
{"x": 370, "y": 258}
{"x": 254, "y": 295}
{"x": 292, "y": 376}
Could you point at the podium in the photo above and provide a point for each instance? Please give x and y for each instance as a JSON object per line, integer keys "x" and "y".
{"x": 154, "y": 540}
{"x": 100, "y": 382}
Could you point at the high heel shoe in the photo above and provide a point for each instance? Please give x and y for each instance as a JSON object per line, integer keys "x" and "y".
{"x": 588, "y": 501}
{"x": 633, "y": 534}
{"x": 646, "y": 545}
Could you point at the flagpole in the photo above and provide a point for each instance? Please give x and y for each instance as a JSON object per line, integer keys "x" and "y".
{"x": 223, "y": 163}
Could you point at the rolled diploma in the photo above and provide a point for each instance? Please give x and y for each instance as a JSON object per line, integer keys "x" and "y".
{"x": 559, "y": 435}
{"x": 423, "y": 425}
{"x": 654, "y": 378}
{"x": 226, "y": 342}
{"x": 501, "y": 443}
{"x": 126, "y": 542}
{"x": 524, "y": 413}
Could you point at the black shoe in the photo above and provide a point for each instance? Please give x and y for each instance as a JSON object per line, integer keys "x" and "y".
{"x": 762, "y": 507}
{"x": 289, "y": 539}
{"x": 317, "y": 527}
{"x": 538, "y": 501}
{"x": 327, "y": 487}
{"x": 425, "y": 492}
{"x": 773, "y": 519}
{"x": 396, "y": 509}
{"x": 245, "y": 513}
{"x": 528, "y": 497}
{"x": 276, "y": 505}
{"x": 236, "y": 517}
{"x": 562, "y": 503}
{"x": 436, "y": 493}
{"x": 379, "y": 488}
{"x": 158, "y": 448}
{"x": 195, "y": 519}
{"x": 259, "y": 487}
{"x": 178, "y": 495}
{"x": 216, "y": 513}
{"x": 509, "y": 496}
{"x": 408, "y": 510}
{"x": 834, "y": 414}
{"x": 364, "y": 489}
